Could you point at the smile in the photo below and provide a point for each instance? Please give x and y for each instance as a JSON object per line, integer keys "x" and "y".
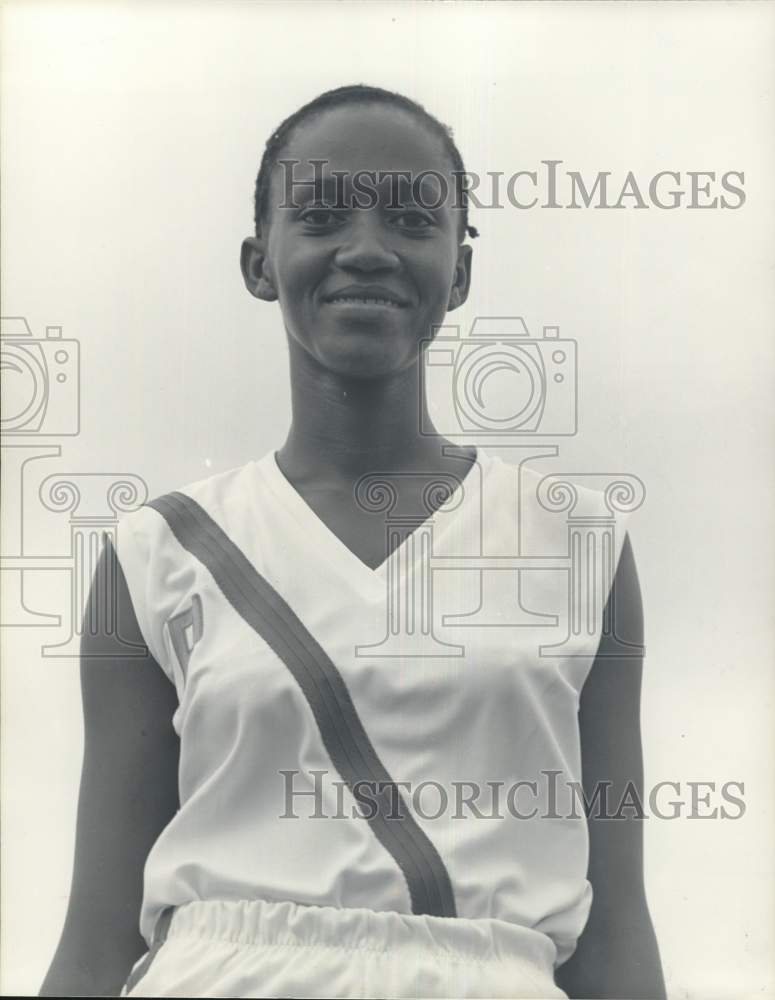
{"x": 352, "y": 300}
{"x": 371, "y": 296}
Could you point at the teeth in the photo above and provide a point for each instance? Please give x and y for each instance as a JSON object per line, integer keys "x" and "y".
{"x": 366, "y": 301}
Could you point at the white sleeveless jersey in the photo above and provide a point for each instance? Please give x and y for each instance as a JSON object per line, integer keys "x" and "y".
{"x": 316, "y": 693}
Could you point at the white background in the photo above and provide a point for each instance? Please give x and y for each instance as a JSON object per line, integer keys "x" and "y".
{"x": 131, "y": 135}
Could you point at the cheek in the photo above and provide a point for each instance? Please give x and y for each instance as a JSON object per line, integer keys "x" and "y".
{"x": 296, "y": 278}
{"x": 436, "y": 278}
{"x": 293, "y": 262}
{"x": 436, "y": 267}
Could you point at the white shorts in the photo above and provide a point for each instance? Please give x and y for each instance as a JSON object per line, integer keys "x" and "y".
{"x": 259, "y": 948}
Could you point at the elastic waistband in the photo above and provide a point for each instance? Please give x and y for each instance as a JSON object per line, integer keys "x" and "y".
{"x": 283, "y": 923}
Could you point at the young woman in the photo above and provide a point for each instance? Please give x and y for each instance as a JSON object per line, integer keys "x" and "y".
{"x": 250, "y": 789}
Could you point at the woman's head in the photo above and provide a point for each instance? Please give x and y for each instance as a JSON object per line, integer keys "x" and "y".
{"x": 355, "y": 95}
{"x": 360, "y": 217}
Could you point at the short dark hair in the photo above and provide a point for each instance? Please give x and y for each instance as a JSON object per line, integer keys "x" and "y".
{"x": 357, "y": 94}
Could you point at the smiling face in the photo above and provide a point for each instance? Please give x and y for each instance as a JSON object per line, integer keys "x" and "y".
{"x": 362, "y": 279}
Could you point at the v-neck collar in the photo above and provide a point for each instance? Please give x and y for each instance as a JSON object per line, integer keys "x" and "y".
{"x": 331, "y": 548}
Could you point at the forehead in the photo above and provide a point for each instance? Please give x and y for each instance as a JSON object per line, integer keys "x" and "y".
{"x": 368, "y": 137}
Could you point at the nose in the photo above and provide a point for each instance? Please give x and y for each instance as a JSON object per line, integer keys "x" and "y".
{"x": 364, "y": 246}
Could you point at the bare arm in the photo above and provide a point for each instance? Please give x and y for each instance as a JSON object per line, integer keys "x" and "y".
{"x": 617, "y": 954}
{"x": 127, "y": 796}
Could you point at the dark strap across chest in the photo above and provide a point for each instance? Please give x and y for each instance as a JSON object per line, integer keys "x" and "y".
{"x": 341, "y": 730}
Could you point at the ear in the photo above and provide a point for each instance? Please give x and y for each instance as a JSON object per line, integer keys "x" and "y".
{"x": 255, "y": 272}
{"x": 462, "y": 280}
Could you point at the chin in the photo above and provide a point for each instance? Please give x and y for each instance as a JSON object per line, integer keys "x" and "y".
{"x": 362, "y": 368}
{"x": 365, "y": 357}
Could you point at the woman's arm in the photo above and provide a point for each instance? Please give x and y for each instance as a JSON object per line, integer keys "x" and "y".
{"x": 128, "y": 794}
{"x": 617, "y": 954}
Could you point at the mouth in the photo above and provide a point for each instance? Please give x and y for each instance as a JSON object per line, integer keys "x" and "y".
{"x": 371, "y": 297}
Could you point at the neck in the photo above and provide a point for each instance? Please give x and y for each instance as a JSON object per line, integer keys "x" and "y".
{"x": 344, "y": 427}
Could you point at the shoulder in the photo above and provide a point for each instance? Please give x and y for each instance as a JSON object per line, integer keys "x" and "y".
{"x": 211, "y": 493}
{"x": 625, "y": 599}
{"x": 156, "y": 565}
{"x": 611, "y": 695}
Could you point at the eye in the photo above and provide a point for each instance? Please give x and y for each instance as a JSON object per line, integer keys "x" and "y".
{"x": 320, "y": 217}
{"x": 412, "y": 220}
